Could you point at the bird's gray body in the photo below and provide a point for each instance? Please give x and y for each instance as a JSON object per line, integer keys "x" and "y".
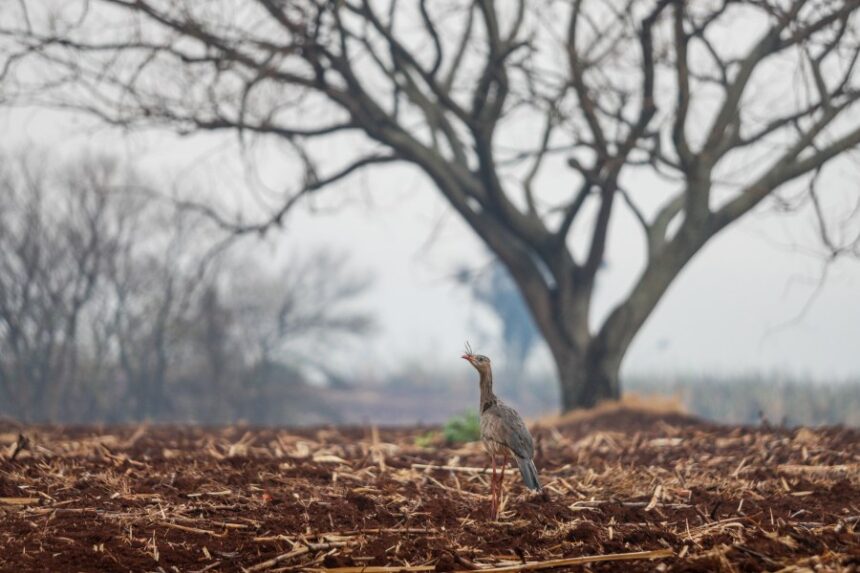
{"x": 503, "y": 431}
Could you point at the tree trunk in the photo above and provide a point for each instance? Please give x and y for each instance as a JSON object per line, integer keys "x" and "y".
{"x": 588, "y": 378}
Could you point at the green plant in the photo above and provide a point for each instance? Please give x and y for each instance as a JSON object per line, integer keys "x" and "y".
{"x": 463, "y": 428}
{"x": 428, "y": 439}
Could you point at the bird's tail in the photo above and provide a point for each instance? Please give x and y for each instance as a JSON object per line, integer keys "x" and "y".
{"x": 529, "y": 473}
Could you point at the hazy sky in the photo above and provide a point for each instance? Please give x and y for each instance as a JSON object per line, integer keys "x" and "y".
{"x": 738, "y": 307}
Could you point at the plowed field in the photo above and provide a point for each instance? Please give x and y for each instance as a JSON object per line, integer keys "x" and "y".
{"x": 624, "y": 491}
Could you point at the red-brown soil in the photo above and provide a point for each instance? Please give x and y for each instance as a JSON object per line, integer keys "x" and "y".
{"x": 232, "y": 499}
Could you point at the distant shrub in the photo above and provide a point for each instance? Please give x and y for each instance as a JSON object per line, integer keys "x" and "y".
{"x": 463, "y": 428}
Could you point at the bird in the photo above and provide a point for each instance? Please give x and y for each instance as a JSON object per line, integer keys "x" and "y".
{"x": 503, "y": 432}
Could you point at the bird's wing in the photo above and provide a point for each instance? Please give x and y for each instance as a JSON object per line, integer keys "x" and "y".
{"x": 510, "y": 430}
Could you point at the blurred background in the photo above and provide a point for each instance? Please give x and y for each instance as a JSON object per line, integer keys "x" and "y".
{"x": 173, "y": 249}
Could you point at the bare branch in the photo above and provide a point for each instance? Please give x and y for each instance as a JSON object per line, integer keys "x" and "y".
{"x": 276, "y": 219}
{"x": 679, "y": 136}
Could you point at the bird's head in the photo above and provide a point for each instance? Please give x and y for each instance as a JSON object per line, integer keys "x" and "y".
{"x": 480, "y": 362}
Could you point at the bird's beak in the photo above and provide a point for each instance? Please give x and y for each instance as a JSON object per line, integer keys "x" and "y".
{"x": 467, "y": 357}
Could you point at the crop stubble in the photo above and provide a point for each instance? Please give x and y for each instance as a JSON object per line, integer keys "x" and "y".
{"x": 663, "y": 492}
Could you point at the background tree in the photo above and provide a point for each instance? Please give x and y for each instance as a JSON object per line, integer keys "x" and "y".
{"x": 720, "y": 103}
{"x": 155, "y": 288}
{"x": 114, "y": 306}
{"x": 53, "y": 249}
{"x": 304, "y": 311}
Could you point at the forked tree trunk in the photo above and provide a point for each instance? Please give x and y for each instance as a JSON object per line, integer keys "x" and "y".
{"x": 588, "y": 378}
{"x": 589, "y": 363}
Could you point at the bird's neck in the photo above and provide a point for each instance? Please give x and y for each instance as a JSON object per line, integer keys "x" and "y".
{"x": 488, "y": 399}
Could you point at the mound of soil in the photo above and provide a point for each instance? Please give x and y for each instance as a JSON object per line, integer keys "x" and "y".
{"x": 661, "y": 491}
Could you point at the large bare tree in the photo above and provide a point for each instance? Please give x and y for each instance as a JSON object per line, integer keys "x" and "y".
{"x": 688, "y": 114}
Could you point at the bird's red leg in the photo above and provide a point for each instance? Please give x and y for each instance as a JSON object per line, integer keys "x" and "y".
{"x": 502, "y": 478}
{"x": 493, "y": 489}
